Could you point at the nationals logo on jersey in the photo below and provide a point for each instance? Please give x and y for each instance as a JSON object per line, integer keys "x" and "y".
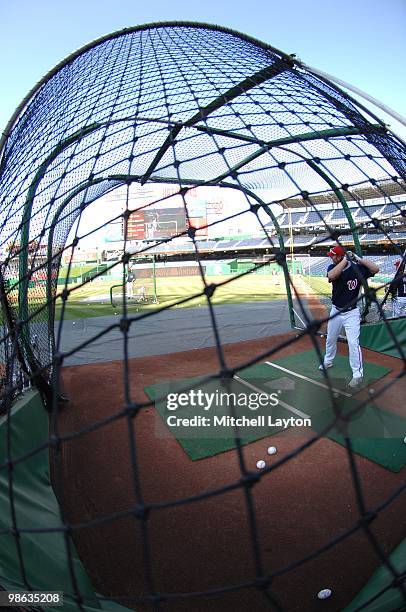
{"x": 352, "y": 284}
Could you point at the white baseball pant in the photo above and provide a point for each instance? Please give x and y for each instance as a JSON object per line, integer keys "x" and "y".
{"x": 351, "y": 321}
{"x": 399, "y": 307}
{"x": 130, "y": 289}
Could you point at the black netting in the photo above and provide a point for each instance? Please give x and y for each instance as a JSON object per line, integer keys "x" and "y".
{"x": 188, "y": 108}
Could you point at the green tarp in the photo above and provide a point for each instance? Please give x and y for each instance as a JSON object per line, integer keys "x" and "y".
{"x": 376, "y": 336}
{"x": 44, "y": 553}
{"x": 391, "y": 600}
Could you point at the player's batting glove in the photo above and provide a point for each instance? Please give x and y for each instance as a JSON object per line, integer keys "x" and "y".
{"x": 352, "y": 257}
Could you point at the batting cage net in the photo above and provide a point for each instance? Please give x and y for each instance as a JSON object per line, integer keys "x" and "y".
{"x": 178, "y": 109}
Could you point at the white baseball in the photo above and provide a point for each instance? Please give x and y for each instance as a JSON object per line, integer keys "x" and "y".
{"x": 261, "y": 464}
{"x": 324, "y": 593}
{"x": 272, "y": 450}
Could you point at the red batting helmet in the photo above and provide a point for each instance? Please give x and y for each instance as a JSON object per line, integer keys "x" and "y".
{"x": 337, "y": 250}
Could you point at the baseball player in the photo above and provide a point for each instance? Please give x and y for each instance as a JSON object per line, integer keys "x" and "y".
{"x": 130, "y": 282}
{"x": 398, "y": 290}
{"x": 347, "y": 273}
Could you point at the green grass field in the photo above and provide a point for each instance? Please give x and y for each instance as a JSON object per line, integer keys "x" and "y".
{"x": 83, "y": 301}
{"x": 319, "y": 284}
{"x": 93, "y": 299}
{"x": 75, "y": 270}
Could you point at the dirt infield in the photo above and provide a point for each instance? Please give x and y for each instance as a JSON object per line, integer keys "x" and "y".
{"x": 299, "y": 507}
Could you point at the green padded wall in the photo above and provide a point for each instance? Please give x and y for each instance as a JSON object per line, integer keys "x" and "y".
{"x": 376, "y": 336}
{"x": 36, "y": 507}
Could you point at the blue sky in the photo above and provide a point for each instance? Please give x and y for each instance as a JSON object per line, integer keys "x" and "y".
{"x": 362, "y": 42}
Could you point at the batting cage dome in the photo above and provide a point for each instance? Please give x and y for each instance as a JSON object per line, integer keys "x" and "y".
{"x": 188, "y": 105}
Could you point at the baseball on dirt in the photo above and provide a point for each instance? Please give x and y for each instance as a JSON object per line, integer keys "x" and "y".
{"x": 324, "y": 593}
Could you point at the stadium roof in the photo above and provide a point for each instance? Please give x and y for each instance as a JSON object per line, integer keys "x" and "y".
{"x": 384, "y": 189}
